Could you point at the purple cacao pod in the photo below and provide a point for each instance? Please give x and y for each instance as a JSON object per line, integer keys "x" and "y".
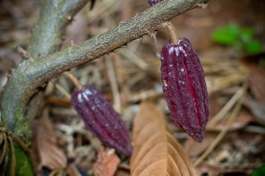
{"x": 101, "y": 119}
{"x": 184, "y": 87}
{"x": 153, "y": 2}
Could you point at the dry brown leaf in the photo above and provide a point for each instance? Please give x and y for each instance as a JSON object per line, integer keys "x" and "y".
{"x": 208, "y": 169}
{"x": 107, "y": 163}
{"x": 44, "y": 144}
{"x": 257, "y": 82}
{"x": 156, "y": 152}
{"x": 241, "y": 121}
{"x": 194, "y": 148}
{"x": 257, "y": 108}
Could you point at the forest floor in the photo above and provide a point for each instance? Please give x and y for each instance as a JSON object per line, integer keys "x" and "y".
{"x": 131, "y": 75}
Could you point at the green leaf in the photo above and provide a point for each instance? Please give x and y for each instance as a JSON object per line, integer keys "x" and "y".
{"x": 246, "y": 34}
{"x": 23, "y": 163}
{"x": 253, "y": 47}
{"x": 260, "y": 171}
{"x": 226, "y": 35}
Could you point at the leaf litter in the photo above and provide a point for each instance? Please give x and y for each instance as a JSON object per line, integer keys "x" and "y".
{"x": 136, "y": 73}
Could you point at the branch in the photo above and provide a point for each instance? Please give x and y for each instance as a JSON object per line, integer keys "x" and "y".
{"x": 29, "y": 76}
{"x": 46, "y": 39}
{"x": 48, "y": 32}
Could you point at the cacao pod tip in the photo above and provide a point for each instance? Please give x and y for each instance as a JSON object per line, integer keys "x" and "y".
{"x": 128, "y": 150}
{"x": 198, "y": 136}
{"x": 101, "y": 119}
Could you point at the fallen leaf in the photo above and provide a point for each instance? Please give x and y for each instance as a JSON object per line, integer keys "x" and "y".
{"x": 257, "y": 108}
{"x": 207, "y": 169}
{"x": 241, "y": 121}
{"x": 194, "y": 148}
{"x": 257, "y": 81}
{"x": 107, "y": 163}
{"x": 156, "y": 152}
{"x": 45, "y": 146}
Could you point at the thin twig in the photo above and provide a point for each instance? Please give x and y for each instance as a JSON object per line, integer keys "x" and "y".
{"x": 4, "y": 148}
{"x": 13, "y": 157}
{"x": 113, "y": 83}
{"x": 224, "y": 130}
{"x": 22, "y": 52}
{"x": 63, "y": 91}
{"x": 21, "y": 144}
{"x": 226, "y": 108}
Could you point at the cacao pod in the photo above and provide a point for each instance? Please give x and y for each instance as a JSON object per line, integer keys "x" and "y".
{"x": 184, "y": 87}
{"x": 101, "y": 119}
{"x": 153, "y": 2}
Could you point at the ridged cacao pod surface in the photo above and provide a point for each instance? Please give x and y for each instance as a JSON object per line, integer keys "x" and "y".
{"x": 184, "y": 87}
{"x": 101, "y": 119}
{"x": 153, "y": 2}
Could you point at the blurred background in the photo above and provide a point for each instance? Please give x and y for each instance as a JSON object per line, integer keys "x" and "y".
{"x": 229, "y": 37}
